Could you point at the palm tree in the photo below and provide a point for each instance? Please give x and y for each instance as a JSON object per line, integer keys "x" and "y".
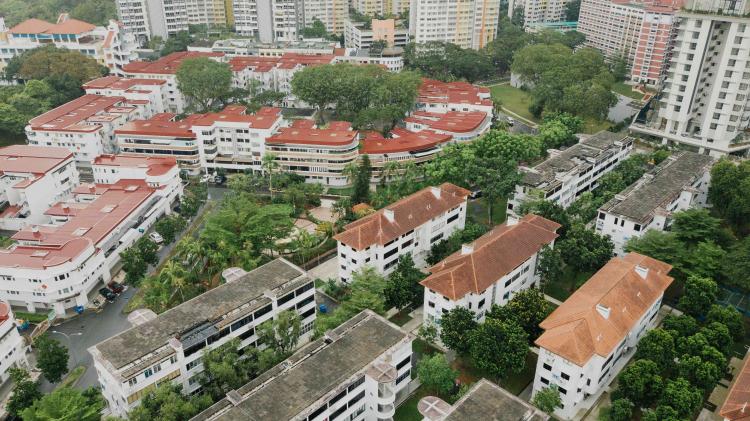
{"x": 173, "y": 274}
{"x": 350, "y": 172}
{"x": 269, "y": 164}
{"x": 190, "y": 251}
{"x": 390, "y": 169}
{"x": 305, "y": 242}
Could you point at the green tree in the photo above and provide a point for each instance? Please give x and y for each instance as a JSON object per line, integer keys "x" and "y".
{"x": 456, "y": 327}
{"x": 730, "y": 317}
{"x": 282, "y": 333}
{"x": 499, "y": 348}
{"x": 66, "y": 404}
{"x": 583, "y": 249}
{"x": 25, "y": 391}
{"x": 47, "y": 61}
{"x": 661, "y": 413}
{"x": 547, "y": 399}
{"x": 717, "y": 334}
{"x": 177, "y": 42}
{"x": 700, "y": 294}
{"x": 403, "y": 288}
{"x": 428, "y": 332}
{"x": 527, "y": 308}
{"x": 699, "y": 345}
{"x": 436, "y": 375}
{"x": 316, "y": 86}
{"x": 703, "y": 374}
{"x": 680, "y": 326}
{"x": 550, "y": 266}
{"x": 167, "y": 403}
{"x": 682, "y": 396}
{"x": 736, "y": 265}
{"x": 361, "y": 193}
{"x": 169, "y": 226}
{"x": 730, "y": 190}
{"x": 316, "y": 30}
{"x": 618, "y": 66}
{"x": 205, "y": 83}
{"x": 510, "y": 38}
{"x": 225, "y": 369}
{"x": 52, "y": 358}
{"x": 660, "y": 245}
{"x": 367, "y": 292}
{"x": 641, "y": 383}
{"x": 621, "y": 410}
{"x": 658, "y": 346}
{"x": 551, "y": 211}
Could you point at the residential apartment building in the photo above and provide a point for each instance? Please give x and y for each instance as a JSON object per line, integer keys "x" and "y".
{"x": 150, "y": 93}
{"x": 85, "y": 125}
{"x": 268, "y": 20}
{"x": 110, "y": 46}
{"x": 317, "y": 154}
{"x": 590, "y": 337}
{"x": 332, "y": 13}
{"x": 680, "y": 182}
{"x": 466, "y": 23}
{"x": 390, "y": 58}
{"x": 403, "y": 148}
{"x": 567, "y": 174}
{"x": 149, "y": 18}
{"x": 12, "y": 344}
{"x": 57, "y": 265}
{"x": 358, "y": 35}
{"x": 367, "y": 361}
{"x": 490, "y": 270}
{"x": 165, "y": 68}
{"x": 435, "y": 96}
{"x": 461, "y": 126}
{"x": 409, "y": 226}
{"x": 169, "y": 347}
{"x": 160, "y": 173}
{"x": 638, "y": 31}
{"x": 249, "y": 47}
{"x": 484, "y": 400}
{"x": 737, "y": 403}
{"x": 31, "y": 180}
{"x": 380, "y": 7}
{"x": 704, "y": 103}
{"x": 539, "y": 13}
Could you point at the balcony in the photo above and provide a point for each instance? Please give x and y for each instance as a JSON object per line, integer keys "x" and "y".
{"x": 386, "y": 412}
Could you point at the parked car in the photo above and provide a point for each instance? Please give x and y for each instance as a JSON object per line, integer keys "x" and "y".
{"x": 511, "y": 121}
{"x": 220, "y": 179}
{"x": 205, "y": 178}
{"x": 156, "y": 238}
{"x": 108, "y": 294}
{"x": 116, "y": 287}
{"x": 475, "y": 194}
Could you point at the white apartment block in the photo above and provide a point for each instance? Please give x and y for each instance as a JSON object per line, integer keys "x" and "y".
{"x": 85, "y": 125}
{"x": 149, "y": 18}
{"x": 679, "y": 183}
{"x": 160, "y": 173}
{"x": 461, "y": 126}
{"x": 110, "y": 46}
{"x": 31, "y": 180}
{"x": 357, "y": 36}
{"x": 380, "y": 7}
{"x": 268, "y": 20}
{"x": 150, "y": 93}
{"x": 409, "y": 226}
{"x": 537, "y": 13}
{"x": 320, "y": 155}
{"x": 705, "y": 101}
{"x": 57, "y": 266}
{"x": 404, "y": 147}
{"x": 165, "y": 69}
{"x": 439, "y": 97}
{"x": 483, "y": 401}
{"x": 169, "y": 347}
{"x": 249, "y": 47}
{"x": 590, "y": 337}
{"x": 390, "y": 58}
{"x": 490, "y": 270}
{"x": 567, "y": 174}
{"x": 357, "y": 372}
{"x": 12, "y": 344}
{"x": 466, "y": 23}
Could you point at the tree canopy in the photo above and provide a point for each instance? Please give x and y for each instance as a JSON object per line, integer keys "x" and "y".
{"x": 52, "y": 358}
{"x": 205, "y": 83}
{"x": 66, "y": 404}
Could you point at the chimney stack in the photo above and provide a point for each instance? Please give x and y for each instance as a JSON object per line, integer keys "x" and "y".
{"x": 467, "y": 249}
{"x": 436, "y": 191}
{"x": 388, "y": 213}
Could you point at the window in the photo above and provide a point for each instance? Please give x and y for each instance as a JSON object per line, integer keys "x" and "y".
{"x": 148, "y": 372}
{"x": 405, "y": 361}
{"x": 390, "y": 253}
{"x": 547, "y": 366}
{"x": 285, "y": 299}
{"x": 543, "y": 380}
{"x": 481, "y": 304}
{"x": 564, "y": 376}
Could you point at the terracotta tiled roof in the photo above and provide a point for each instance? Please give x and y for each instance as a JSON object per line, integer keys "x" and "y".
{"x": 737, "y": 405}
{"x": 625, "y": 288}
{"x": 337, "y": 134}
{"x": 492, "y": 256}
{"x": 406, "y": 141}
{"x": 32, "y": 159}
{"x": 38, "y": 26}
{"x": 438, "y": 92}
{"x": 452, "y": 121}
{"x": 156, "y": 165}
{"x": 166, "y": 65}
{"x": 408, "y": 213}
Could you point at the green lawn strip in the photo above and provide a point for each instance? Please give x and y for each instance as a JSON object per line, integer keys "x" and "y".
{"x": 567, "y": 285}
{"x": 340, "y": 191}
{"x": 514, "y": 99}
{"x": 592, "y": 126}
{"x": 30, "y": 317}
{"x": 407, "y": 411}
{"x": 623, "y": 88}
{"x": 72, "y": 377}
{"x": 478, "y": 211}
{"x": 402, "y": 317}
{"x": 514, "y": 383}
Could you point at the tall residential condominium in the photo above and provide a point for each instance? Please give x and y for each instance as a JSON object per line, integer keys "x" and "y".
{"x": 637, "y": 30}
{"x": 539, "y": 12}
{"x": 466, "y": 23}
{"x": 269, "y": 20}
{"x": 332, "y": 13}
{"x": 704, "y": 102}
{"x": 380, "y": 7}
{"x": 150, "y": 18}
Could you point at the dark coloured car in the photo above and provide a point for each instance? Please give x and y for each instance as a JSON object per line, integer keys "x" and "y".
{"x": 108, "y": 294}
{"x": 115, "y": 287}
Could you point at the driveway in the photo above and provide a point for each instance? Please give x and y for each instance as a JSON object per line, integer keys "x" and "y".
{"x": 94, "y": 327}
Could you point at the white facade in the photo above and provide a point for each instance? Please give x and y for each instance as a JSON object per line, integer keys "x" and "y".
{"x": 149, "y": 18}
{"x": 32, "y": 180}
{"x": 151, "y": 93}
{"x": 12, "y": 345}
{"x": 441, "y": 211}
{"x": 539, "y": 12}
{"x": 679, "y": 183}
{"x": 357, "y": 371}
{"x": 568, "y": 174}
{"x": 705, "y": 101}
{"x": 466, "y": 23}
{"x": 391, "y": 58}
{"x": 358, "y": 37}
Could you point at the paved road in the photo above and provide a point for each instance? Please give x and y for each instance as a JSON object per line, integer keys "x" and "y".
{"x": 518, "y": 127}
{"x": 95, "y": 327}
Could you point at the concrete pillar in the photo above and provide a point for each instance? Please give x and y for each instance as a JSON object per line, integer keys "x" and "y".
{"x": 30, "y": 307}
{"x": 82, "y": 299}
{"x": 59, "y": 308}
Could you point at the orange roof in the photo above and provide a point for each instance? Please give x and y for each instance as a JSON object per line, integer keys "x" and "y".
{"x": 490, "y": 257}
{"x": 600, "y": 314}
{"x": 32, "y": 159}
{"x": 407, "y": 141}
{"x": 82, "y": 114}
{"x": 435, "y": 91}
{"x": 262, "y": 64}
{"x": 338, "y": 134}
{"x": 164, "y": 124}
{"x": 157, "y": 165}
{"x": 737, "y": 405}
{"x": 121, "y": 83}
{"x": 166, "y": 65}
{"x": 452, "y": 121}
{"x": 408, "y": 213}
{"x": 38, "y": 26}
{"x": 159, "y": 125}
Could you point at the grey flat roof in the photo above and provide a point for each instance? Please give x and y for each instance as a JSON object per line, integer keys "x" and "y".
{"x": 597, "y": 148}
{"x": 489, "y": 402}
{"x": 140, "y": 340}
{"x": 309, "y": 374}
{"x": 659, "y": 186}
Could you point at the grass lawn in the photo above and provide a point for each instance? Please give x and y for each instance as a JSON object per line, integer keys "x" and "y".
{"x": 407, "y": 411}
{"x": 514, "y": 99}
{"x": 340, "y": 191}
{"x": 402, "y": 317}
{"x": 31, "y": 317}
{"x": 567, "y": 285}
{"x": 592, "y": 126}
{"x": 624, "y": 89}
{"x": 514, "y": 383}
{"x": 478, "y": 211}
{"x": 72, "y": 377}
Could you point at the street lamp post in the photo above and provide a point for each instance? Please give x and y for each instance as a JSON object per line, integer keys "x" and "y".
{"x": 70, "y": 344}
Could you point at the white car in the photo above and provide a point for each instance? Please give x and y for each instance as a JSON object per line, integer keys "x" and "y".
{"x": 156, "y": 238}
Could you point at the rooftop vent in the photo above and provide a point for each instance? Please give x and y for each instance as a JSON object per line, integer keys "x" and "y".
{"x": 388, "y": 213}
{"x": 436, "y": 191}
{"x": 39, "y": 253}
{"x": 641, "y": 271}
{"x": 234, "y": 397}
{"x": 603, "y": 310}
{"x": 80, "y": 231}
{"x": 467, "y": 249}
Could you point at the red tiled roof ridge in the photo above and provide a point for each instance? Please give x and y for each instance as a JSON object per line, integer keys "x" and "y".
{"x": 737, "y": 404}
